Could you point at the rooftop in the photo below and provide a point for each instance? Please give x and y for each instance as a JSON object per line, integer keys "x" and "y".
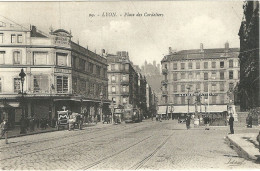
{"x": 202, "y": 54}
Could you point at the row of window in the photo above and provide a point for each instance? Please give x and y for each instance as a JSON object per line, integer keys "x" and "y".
{"x": 220, "y": 99}
{"x": 113, "y": 78}
{"x": 114, "y": 90}
{"x": 15, "y": 38}
{"x": 92, "y": 89}
{"x": 124, "y": 100}
{"x": 198, "y": 65}
{"x": 83, "y": 65}
{"x": 184, "y": 88}
{"x": 39, "y": 58}
{"x": 197, "y": 75}
{"x": 41, "y": 84}
{"x": 124, "y": 67}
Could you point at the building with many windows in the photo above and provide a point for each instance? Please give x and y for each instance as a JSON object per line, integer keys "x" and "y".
{"x": 127, "y": 86}
{"x": 123, "y": 80}
{"x": 54, "y": 79}
{"x": 201, "y": 79}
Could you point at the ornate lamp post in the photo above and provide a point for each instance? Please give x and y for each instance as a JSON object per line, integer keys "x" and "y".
{"x": 101, "y": 106}
{"x": 22, "y": 75}
{"x": 188, "y": 88}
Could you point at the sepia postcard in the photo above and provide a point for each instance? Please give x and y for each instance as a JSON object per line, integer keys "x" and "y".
{"x": 129, "y": 85}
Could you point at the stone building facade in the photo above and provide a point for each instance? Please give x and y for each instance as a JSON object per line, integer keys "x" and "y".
{"x": 46, "y": 59}
{"x": 123, "y": 80}
{"x": 204, "y": 76}
{"x": 127, "y": 85}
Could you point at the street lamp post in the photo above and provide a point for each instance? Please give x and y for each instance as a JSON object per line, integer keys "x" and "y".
{"x": 22, "y": 75}
{"x": 101, "y": 106}
{"x": 188, "y": 100}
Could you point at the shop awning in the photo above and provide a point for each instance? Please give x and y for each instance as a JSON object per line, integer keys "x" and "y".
{"x": 210, "y": 108}
{"x": 162, "y": 110}
{"x": 9, "y": 105}
{"x": 83, "y": 100}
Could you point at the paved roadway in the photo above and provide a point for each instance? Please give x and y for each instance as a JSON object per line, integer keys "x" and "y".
{"x": 146, "y": 145}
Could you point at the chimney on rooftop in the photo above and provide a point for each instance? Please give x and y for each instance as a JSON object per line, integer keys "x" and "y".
{"x": 226, "y": 46}
{"x": 170, "y": 50}
{"x": 201, "y": 47}
{"x": 33, "y": 31}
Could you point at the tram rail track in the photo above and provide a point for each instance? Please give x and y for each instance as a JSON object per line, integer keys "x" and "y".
{"x": 138, "y": 165}
{"x": 81, "y": 132}
{"x": 141, "y": 163}
{"x": 111, "y": 156}
{"x": 71, "y": 144}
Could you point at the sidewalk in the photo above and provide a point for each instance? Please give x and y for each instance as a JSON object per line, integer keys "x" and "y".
{"x": 16, "y": 131}
{"x": 245, "y": 144}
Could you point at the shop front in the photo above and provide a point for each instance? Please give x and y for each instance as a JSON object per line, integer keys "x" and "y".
{"x": 217, "y": 113}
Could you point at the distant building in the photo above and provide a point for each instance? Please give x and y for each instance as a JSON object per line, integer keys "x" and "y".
{"x": 127, "y": 86}
{"x": 249, "y": 87}
{"x": 150, "y": 69}
{"x": 200, "y": 80}
{"x": 123, "y": 80}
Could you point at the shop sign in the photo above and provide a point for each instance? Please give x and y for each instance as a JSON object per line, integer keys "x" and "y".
{"x": 60, "y": 70}
{"x": 196, "y": 94}
{"x": 62, "y": 40}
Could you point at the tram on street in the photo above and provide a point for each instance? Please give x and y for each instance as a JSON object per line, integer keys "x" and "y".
{"x": 132, "y": 115}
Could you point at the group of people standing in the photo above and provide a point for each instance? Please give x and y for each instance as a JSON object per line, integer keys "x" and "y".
{"x": 206, "y": 120}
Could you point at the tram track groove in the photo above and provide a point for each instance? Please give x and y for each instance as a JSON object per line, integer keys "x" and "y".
{"x": 55, "y": 138}
{"x": 63, "y": 146}
{"x": 110, "y": 156}
{"x": 147, "y": 158}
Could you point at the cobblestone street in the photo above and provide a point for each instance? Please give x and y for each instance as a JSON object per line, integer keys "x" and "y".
{"x": 146, "y": 145}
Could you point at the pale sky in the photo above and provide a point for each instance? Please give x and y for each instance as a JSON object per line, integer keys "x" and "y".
{"x": 184, "y": 25}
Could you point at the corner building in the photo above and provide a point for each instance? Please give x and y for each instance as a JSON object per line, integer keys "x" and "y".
{"x": 200, "y": 80}
{"x": 51, "y": 81}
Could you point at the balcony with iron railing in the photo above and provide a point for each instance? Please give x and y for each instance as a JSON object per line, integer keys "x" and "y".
{"x": 125, "y": 93}
{"x": 164, "y": 82}
{"x": 164, "y": 71}
{"x": 164, "y": 93}
{"x": 124, "y": 82}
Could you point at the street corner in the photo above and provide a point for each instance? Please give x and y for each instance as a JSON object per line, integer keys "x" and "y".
{"x": 245, "y": 145}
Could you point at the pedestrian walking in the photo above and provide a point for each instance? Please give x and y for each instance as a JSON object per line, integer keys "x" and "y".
{"x": 206, "y": 122}
{"x": 231, "y": 124}
{"x": 3, "y": 127}
{"x": 250, "y": 121}
{"x": 188, "y": 122}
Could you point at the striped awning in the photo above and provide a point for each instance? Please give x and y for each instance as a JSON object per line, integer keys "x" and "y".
{"x": 202, "y": 108}
{"x": 162, "y": 109}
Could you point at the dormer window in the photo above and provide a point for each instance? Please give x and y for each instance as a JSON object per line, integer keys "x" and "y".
{"x": 13, "y": 38}
{"x": 2, "y": 24}
{"x": 19, "y": 38}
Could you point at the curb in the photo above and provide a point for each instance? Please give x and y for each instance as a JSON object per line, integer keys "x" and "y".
{"x": 240, "y": 150}
{"x": 21, "y": 135}
{"x": 34, "y": 133}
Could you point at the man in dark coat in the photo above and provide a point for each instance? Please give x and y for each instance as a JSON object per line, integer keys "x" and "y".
{"x": 206, "y": 122}
{"x": 250, "y": 121}
{"x": 231, "y": 124}
{"x": 3, "y": 127}
{"x": 188, "y": 122}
